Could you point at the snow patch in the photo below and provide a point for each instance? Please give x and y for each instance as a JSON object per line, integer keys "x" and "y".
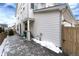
{"x": 49, "y": 45}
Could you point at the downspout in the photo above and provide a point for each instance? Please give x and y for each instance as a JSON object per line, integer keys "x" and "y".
{"x": 28, "y": 23}
{"x": 61, "y": 30}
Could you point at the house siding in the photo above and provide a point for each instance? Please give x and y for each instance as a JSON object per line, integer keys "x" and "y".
{"x": 22, "y": 27}
{"x": 48, "y": 23}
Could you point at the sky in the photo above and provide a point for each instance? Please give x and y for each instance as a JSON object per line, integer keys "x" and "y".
{"x": 75, "y": 9}
{"x": 7, "y": 12}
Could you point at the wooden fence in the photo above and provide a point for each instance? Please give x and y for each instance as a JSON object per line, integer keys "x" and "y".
{"x": 70, "y": 40}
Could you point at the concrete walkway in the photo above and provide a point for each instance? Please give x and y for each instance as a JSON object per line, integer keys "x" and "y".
{"x": 17, "y": 46}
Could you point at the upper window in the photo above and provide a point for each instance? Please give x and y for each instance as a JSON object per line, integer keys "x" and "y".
{"x": 24, "y": 8}
{"x": 18, "y": 18}
{"x": 21, "y": 12}
{"x": 43, "y": 5}
{"x": 32, "y": 5}
{"x": 17, "y": 27}
{"x": 36, "y": 6}
{"x": 39, "y": 5}
{"x": 49, "y": 4}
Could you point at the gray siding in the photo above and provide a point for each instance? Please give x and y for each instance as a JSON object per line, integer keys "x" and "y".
{"x": 48, "y": 23}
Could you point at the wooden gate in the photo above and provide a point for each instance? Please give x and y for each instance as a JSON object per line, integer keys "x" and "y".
{"x": 70, "y": 40}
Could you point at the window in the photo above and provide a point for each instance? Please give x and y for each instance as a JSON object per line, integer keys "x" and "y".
{"x": 39, "y": 5}
{"x": 43, "y": 5}
{"x": 21, "y": 12}
{"x": 49, "y": 4}
{"x": 32, "y": 5}
{"x": 18, "y": 18}
{"x": 17, "y": 28}
{"x": 23, "y": 9}
{"x": 36, "y": 6}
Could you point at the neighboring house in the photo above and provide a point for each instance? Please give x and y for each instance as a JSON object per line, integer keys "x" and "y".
{"x": 43, "y": 21}
{"x": 77, "y": 23}
{"x": 13, "y": 27}
{"x": 4, "y": 26}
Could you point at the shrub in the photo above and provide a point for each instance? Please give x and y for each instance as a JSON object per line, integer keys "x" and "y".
{"x": 1, "y": 29}
{"x": 3, "y": 35}
{"x": 10, "y": 32}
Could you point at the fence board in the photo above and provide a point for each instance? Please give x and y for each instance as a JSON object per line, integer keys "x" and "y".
{"x": 70, "y": 40}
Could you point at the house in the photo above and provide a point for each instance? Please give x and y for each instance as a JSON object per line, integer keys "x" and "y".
{"x": 43, "y": 21}
{"x": 12, "y": 27}
{"x": 77, "y": 23}
{"x": 4, "y": 26}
